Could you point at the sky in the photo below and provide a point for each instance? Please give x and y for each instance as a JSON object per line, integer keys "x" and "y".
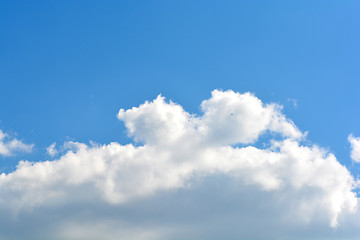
{"x": 179, "y": 120}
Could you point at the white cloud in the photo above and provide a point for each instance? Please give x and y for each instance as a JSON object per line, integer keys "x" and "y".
{"x": 355, "y": 148}
{"x": 187, "y": 180}
{"x": 8, "y": 145}
{"x": 51, "y": 150}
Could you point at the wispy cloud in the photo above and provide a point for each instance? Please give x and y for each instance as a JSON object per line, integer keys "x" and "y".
{"x": 293, "y": 102}
{"x": 10, "y": 145}
{"x": 51, "y": 150}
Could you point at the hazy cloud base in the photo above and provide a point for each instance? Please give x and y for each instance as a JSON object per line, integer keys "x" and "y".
{"x": 192, "y": 177}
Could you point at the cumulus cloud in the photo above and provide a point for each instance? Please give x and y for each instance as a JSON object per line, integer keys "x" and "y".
{"x": 9, "y": 145}
{"x": 228, "y": 118}
{"x": 190, "y": 179}
{"x": 355, "y": 148}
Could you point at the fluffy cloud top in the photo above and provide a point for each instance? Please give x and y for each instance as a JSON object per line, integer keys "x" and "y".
{"x": 355, "y": 148}
{"x": 8, "y": 145}
{"x": 228, "y": 118}
{"x": 286, "y": 186}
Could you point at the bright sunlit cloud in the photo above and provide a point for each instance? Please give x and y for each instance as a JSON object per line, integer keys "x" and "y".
{"x": 189, "y": 173}
{"x": 355, "y": 148}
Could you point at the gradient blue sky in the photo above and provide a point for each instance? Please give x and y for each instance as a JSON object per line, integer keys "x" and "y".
{"x": 67, "y": 67}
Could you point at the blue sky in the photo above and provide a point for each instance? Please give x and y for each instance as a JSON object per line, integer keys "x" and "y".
{"x": 67, "y": 67}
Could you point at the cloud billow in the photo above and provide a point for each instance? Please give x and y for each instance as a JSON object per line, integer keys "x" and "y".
{"x": 355, "y": 148}
{"x": 9, "y": 146}
{"x": 189, "y": 171}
